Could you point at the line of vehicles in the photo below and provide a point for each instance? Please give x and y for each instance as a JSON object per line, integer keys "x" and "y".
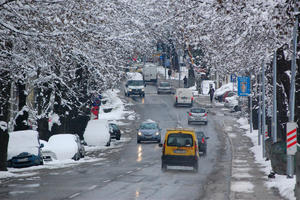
{"x": 180, "y": 146}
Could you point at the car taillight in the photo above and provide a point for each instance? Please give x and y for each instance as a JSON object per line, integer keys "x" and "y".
{"x": 192, "y": 98}
{"x": 176, "y": 98}
{"x": 205, "y": 114}
{"x": 196, "y": 150}
{"x": 202, "y": 141}
{"x": 190, "y": 114}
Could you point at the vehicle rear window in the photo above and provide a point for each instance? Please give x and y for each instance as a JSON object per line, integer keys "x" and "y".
{"x": 198, "y": 110}
{"x": 180, "y": 140}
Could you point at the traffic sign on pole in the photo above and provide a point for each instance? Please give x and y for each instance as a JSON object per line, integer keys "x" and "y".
{"x": 233, "y": 78}
{"x": 291, "y": 138}
{"x": 244, "y": 86}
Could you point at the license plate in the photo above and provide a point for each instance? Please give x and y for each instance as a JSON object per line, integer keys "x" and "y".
{"x": 23, "y": 160}
{"x": 179, "y": 151}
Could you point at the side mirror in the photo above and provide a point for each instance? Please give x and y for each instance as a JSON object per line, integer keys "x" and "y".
{"x": 160, "y": 145}
{"x": 42, "y": 145}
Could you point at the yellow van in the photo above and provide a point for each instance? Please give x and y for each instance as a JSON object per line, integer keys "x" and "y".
{"x": 180, "y": 148}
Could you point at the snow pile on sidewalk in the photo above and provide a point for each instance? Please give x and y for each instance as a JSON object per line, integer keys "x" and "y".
{"x": 224, "y": 88}
{"x": 118, "y": 109}
{"x": 284, "y": 185}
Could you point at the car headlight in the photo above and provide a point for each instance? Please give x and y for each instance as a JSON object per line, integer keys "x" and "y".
{"x": 130, "y": 89}
{"x": 143, "y": 89}
{"x": 157, "y": 133}
{"x": 139, "y": 133}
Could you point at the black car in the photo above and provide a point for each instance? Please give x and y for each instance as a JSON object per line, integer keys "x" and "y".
{"x": 202, "y": 142}
{"x": 114, "y": 131}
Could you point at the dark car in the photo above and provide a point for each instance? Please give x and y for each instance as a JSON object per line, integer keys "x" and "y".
{"x": 114, "y": 131}
{"x": 25, "y": 159}
{"x": 149, "y": 131}
{"x": 202, "y": 142}
{"x": 24, "y": 149}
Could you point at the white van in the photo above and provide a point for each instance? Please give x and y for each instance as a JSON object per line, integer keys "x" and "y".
{"x": 150, "y": 73}
{"x": 135, "y": 84}
{"x": 184, "y": 96}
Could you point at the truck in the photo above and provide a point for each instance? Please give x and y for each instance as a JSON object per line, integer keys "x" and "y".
{"x": 150, "y": 73}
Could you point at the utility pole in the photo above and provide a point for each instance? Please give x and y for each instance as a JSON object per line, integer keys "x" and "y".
{"x": 251, "y": 122}
{"x": 274, "y": 118}
{"x": 259, "y": 109}
{"x": 263, "y": 111}
{"x": 290, "y": 158}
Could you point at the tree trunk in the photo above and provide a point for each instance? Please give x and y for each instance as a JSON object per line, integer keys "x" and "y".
{"x": 3, "y": 149}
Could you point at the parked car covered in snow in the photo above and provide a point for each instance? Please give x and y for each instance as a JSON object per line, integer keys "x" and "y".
{"x": 97, "y": 133}
{"x": 232, "y": 103}
{"x": 66, "y": 146}
{"x": 24, "y": 149}
{"x": 47, "y": 153}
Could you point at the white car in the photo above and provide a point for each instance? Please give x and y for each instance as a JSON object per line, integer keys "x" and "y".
{"x": 232, "y": 103}
{"x": 184, "y": 96}
{"x": 66, "y": 146}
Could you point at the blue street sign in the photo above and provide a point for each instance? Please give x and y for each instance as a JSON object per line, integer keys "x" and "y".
{"x": 243, "y": 86}
{"x": 161, "y": 57}
{"x": 233, "y": 78}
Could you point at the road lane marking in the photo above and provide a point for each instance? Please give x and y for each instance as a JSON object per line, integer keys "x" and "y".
{"x": 92, "y": 187}
{"x": 120, "y": 175}
{"x": 129, "y": 172}
{"x": 74, "y": 195}
{"x": 106, "y": 181}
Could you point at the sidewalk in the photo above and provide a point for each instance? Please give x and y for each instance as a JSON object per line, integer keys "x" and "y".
{"x": 247, "y": 181}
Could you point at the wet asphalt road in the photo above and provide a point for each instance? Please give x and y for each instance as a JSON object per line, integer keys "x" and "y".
{"x": 134, "y": 172}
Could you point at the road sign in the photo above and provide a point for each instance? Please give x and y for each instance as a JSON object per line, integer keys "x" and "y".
{"x": 233, "y": 78}
{"x": 243, "y": 86}
{"x": 291, "y": 138}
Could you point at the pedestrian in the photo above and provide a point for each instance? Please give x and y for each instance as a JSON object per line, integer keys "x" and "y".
{"x": 169, "y": 73}
{"x": 185, "y": 81}
{"x": 211, "y": 93}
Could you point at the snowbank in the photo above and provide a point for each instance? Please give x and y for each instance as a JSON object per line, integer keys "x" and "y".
{"x": 284, "y": 185}
{"x": 225, "y": 88}
{"x": 118, "y": 109}
{"x": 23, "y": 141}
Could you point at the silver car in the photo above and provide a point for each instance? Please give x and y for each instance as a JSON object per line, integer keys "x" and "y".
{"x": 149, "y": 131}
{"x": 164, "y": 87}
{"x": 197, "y": 115}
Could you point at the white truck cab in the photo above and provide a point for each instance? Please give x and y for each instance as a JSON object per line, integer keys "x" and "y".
{"x": 134, "y": 85}
{"x": 184, "y": 96}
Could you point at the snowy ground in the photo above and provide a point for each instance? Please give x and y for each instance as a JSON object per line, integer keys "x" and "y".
{"x": 284, "y": 185}
{"x": 118, "y": 113}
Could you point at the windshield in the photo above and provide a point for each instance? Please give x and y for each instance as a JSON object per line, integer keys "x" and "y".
{"x": 164, "y": 84}
{"x": 149, "y": 126}
{"x": 179, "y": 139}
{"x": 198, "y": 110}
{"x": 135, "y": 82}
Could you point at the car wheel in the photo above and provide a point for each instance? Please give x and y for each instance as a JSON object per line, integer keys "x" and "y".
{"x": 158, "y": 92}
{"x": 108, "y": 144}
{"x": 205, "y": 123}
{"x": 118, "y": 138}
{"x": 163, "y": 166}
{"x": 195, "y": 167}
{"x": 189, "y": 122}
{"x": 138, "y": 141}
